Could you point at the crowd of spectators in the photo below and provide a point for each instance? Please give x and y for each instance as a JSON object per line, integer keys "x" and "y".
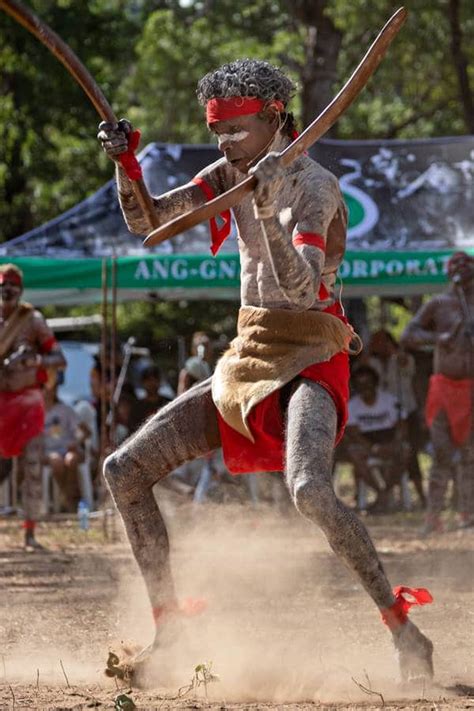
{"x": 384, "y": 437}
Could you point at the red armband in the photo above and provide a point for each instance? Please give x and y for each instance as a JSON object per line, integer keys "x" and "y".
{"x": 310, "y": 238}
{"x": 48, "y": 345}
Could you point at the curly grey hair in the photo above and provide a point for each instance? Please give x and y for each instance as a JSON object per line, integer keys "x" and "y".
{"x": 246, "y": 77}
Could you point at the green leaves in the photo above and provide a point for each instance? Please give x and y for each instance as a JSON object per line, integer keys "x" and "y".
{"x": 148, "y": 55}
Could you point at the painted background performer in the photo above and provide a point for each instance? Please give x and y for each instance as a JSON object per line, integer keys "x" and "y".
{"x": 447, "y": 323}
{"x": 278, "y": 397}
{"x": 27, "y": 349}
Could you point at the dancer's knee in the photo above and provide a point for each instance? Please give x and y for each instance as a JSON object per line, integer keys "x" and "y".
{"x": 119, "y": 472}
{"x": 314, "y": 500}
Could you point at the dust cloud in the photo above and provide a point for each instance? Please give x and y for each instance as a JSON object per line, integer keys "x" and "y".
{"x": 285, "y": 621}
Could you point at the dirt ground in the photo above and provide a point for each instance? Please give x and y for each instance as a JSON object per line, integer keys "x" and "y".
{"x": 286, "y": 626}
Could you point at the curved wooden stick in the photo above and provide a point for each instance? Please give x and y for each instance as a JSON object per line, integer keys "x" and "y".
{"x": 66, "y": 56}
{"x": 315, "y": 130}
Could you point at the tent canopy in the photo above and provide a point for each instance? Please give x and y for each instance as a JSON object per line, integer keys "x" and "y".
{"x": 410, "y": 208}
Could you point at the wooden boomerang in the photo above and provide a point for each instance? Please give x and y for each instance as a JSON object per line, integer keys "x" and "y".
{"x": 315, "y": 130}
{"x": 66, "y": 56}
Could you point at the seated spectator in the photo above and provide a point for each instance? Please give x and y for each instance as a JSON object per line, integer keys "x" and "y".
{"x": 199, "y": 473}
{"x": 396, "y": 370}
{"x": 63, "y": 451}
{"x": 95, "y": 379}
{"x": 197, "y": 367}
{"x": 374, "y": 429}
{"x": 153, "y": 400}
{"x": 123, "y": 413}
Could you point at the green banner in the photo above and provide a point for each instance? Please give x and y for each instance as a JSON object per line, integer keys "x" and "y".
{"x": 393, "y": 268}
{"x": 161, "y": 272}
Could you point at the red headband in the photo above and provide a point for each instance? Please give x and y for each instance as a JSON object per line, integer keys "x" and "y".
{"x": 222, "y": 109}
{"x": 12, "y": 276}
{"x": 458, "y": 257}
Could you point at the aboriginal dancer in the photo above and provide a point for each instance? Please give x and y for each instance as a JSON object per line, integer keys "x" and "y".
{"x": 447, "y": 323}
{"x": 278, "y": 397}
{"x": 28, "y": 354}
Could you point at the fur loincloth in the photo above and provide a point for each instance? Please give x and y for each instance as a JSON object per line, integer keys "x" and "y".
{"x": 271, "y": 348}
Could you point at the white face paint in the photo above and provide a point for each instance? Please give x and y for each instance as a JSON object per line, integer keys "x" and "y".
{"x": 232, "y": 137}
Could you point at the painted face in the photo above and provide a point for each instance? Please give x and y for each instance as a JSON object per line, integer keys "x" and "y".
{"x": 242, "y": 139}
{"x": 10, "y": 292}
{"x": 461, "y": 265}
{"x": 366, "y": 387}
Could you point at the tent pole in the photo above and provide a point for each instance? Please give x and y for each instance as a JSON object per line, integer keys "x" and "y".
{"x": 113, "y": 354}
{"x": 104, "y": 365}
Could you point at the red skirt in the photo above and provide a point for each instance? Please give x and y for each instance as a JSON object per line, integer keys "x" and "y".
{"x": 267, "y": 452}
{"x": 454, "y": 398}
{"x": 21, "y": 419}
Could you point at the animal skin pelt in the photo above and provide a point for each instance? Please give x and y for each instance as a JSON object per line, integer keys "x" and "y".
{"x": 271, "y": 348}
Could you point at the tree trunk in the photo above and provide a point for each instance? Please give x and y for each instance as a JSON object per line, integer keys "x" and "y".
{"x": 460, "y": 65}
{"x": 322, "y": 44}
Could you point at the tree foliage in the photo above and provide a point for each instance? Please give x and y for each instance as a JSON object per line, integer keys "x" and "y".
{"x": 147, "y": 56}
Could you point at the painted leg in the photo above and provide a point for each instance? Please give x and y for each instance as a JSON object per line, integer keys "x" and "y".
{"x": 465, "y": 482}
{"x": 31, "y": 465}
{"x": 440, "y": 473}
{"x": 311, "y": 429}
{"x": 183, "y": 430}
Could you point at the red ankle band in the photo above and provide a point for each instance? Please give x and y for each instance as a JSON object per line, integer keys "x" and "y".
{"x": 189, "y": 607}
{"x": 28, "y": 525}
{"x": 162, "y": 611}
{"x": 397, "y": 614}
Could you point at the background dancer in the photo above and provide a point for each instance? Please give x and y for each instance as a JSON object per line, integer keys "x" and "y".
{"x": 27, "y": 349}
{"x": 447, "y": 323}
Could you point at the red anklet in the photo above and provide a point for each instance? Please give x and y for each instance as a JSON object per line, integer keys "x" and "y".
{"x": 189, "y": 607}
{"x": 397, "y": 614}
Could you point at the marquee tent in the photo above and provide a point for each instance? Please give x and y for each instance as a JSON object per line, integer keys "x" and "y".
{"x": 410, "y": 206}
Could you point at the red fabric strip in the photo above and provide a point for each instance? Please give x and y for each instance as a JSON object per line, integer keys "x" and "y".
{"x": 454, "y": 398}
{"x": 397, "y": 614}
{"x": 222, "y": 109}
{"x": 22, "y": 418}
{"x": 12, "y": 276}
{"x": 218, "y": 234}
{"x": 128, "y": 160}
{"x": 310, "y": 238}
{"x": 189, "y": 607}
{"x": 48, "y": 345}
{"x": 265, "y": 420}
{"x": 323, "y": 294}
{"x": 28, "y": 525}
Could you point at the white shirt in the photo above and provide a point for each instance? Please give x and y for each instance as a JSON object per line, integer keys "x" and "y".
{"x": 383, "y": 414}
{"x": 398, "y": 379}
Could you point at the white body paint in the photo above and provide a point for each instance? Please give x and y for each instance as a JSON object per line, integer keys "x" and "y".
{"x": 232, "y": 137}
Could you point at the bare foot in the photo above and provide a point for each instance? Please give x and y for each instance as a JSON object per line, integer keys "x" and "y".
{"x": 137, "y": 668}
{"x": 32, "y": 545}
{"x": 415, "y": 652}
